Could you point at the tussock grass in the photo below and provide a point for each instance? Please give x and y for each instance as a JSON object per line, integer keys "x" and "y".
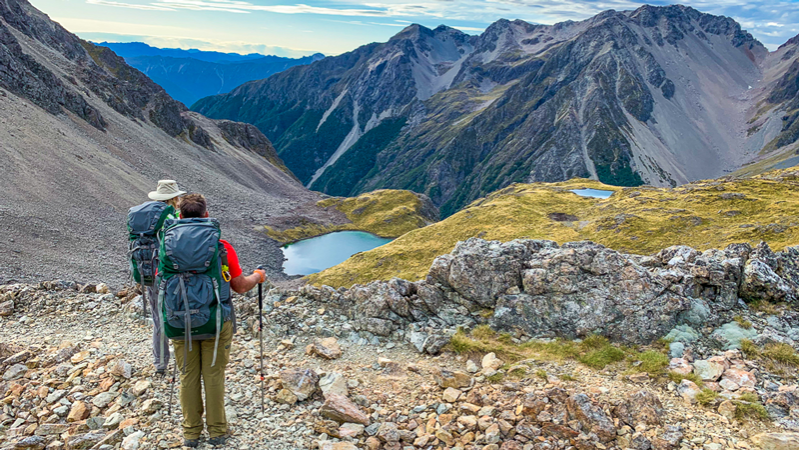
{"x": 706, "y": 397}
{"x": 779, "y": 358}
{"x": 694, "y": 214}
{"x": 781, "y": 353}
{"x": 596, "y": 352}
{"x": 748, "y": 406}
{"x": 745, "y": 324}
{"x": 386, "y": 213}
{"x": 653, "y": 362}
{"x": 766, "y": 307}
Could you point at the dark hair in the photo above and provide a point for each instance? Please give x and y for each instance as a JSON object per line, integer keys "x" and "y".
{"x": 193, "y": 205}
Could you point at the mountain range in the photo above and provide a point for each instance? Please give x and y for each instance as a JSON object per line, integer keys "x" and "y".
{"x": 84, "y": 136}
{"x": 658, "y": 95}
{"x": 189, "y": 75}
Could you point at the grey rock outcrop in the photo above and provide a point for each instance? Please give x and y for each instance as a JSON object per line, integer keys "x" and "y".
{"x": 534, "y": 288}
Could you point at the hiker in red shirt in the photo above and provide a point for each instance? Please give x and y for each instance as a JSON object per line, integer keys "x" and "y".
{"x": 199, "y": 359}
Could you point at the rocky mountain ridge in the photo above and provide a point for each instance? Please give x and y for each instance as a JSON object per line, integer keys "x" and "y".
{"x": 659, "y": 95}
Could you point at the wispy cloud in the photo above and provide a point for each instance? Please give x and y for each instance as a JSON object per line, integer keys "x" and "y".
{"x": 129, "y": 5}
{"x": 771, "y": 21}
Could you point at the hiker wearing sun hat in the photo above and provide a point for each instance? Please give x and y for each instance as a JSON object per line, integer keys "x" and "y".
{"x": 167, "y": 192}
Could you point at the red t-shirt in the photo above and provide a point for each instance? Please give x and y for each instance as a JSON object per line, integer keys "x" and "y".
{"x": 232, "y": 259}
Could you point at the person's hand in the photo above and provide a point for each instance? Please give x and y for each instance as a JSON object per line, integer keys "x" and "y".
{"x": 261, "y": 275}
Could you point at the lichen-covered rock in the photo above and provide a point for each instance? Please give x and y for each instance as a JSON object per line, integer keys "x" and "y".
{"x": 730, "y": 335}
{"x": 760, "y": 279}
{"x": 536, "y": 288}
{"x": 591, "y": 417}
{"x": 302, "y": 382}
{"x": 641, "y": 407}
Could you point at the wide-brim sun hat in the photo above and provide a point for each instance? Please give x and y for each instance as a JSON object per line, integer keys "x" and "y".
{"x": 166, "y": 190}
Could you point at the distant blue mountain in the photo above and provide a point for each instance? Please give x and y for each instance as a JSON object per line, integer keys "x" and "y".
{"x": 189, "y": 75}
{"x": 131, "y": 49}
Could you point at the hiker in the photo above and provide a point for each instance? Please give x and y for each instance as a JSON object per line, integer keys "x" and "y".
{"x": 145, "y": 225}
{"x": 167, "y": 192}
{"x": 202, "y": 354}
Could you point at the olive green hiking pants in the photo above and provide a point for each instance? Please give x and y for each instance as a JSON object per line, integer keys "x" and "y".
{"x": 198, "y": 366}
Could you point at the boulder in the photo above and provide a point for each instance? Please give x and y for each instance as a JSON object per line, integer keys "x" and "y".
{"x": 333, "y": 383}
{"x": 84, "y": 441}
{"x": 31, "y": 443}
{"x": 727, "y": 409}
{"x": 452, "y": 378}
{"x": 301, "y": 382}
{"x": 131, "y": 442}
{"x": 451, "y": 395}
{"x": 328, "y": 445}
{"x": 286, "y": 397}
{"x": 760, "y": 281}
{"x": 688, "y": 390}
{"x": 140, "y": 387}
{"x": 491, "y": 362}
{"x": 78, "y": 412}
{"x": 327, "y": 348}
{"x": 641, "y": 407}
{"x": 670, "y": 439}
{"x": 591, "y": 416}
{"x": 388, "y": 432}
{"x": 741, "y": 378}
{"x": 151, "y": 406}
{"x": 6, "y": 308}
{"x": 680, "y": 366}
{"x": 122, "y": 369}
{"x": 708, "y": 370}
{"x": 342, "y": 410}
{"x": 351, "y": 430}
{"x": 777, "y": 441}
{"x": 15, "y": 372}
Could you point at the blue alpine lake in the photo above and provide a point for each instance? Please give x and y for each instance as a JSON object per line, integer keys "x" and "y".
{"x": 316, "y": 254}
{"x": 596, "y": 193}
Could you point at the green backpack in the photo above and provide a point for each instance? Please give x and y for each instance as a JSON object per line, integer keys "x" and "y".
{"x": 194, "y": 298}
{"x": 145, "y": 221}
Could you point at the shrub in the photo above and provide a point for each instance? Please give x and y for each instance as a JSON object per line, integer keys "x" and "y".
{"x": 706, "y": 397}
{"x": 653, "y": 362}
{"x": 748, "y": 406}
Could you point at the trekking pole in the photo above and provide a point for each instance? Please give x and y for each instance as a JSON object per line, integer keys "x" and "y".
{"x": 172, "y": 384}
{"x": 261, "y": 334}
{"x": 144, "y": 301}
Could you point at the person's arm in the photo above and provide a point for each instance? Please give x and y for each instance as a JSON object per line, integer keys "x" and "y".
{"x": 242, "y": 284}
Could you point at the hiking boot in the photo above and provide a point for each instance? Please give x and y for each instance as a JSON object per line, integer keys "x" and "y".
{"x": 193, "y": 443}
{"x": 218, "y": 441}
{"x": 160, "y": 372}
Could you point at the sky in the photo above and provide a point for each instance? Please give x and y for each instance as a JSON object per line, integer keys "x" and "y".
{"x": 289, "y": 28}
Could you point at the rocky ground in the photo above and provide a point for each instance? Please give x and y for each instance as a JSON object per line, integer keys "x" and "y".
{"x": 77, "y": 374}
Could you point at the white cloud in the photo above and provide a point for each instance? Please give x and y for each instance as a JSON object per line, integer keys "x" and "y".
{"x": 128, "y": 5}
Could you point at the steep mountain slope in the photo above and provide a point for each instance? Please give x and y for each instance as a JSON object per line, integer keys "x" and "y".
{"x": 189, "y": 75}
{"x": 83, "y": 136}
{"x": 659, "y": 95}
